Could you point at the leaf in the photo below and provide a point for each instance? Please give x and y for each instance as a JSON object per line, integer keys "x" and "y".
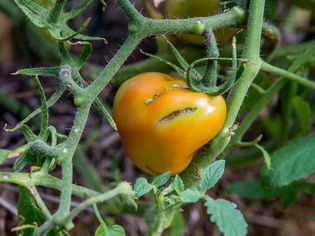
{"x": 292, "y": 162}
{"x": 211, "y": 175}
{"x": 178, "y": 184}
{"x": 16, "y": 152}
{"x": 40, "y": 71}
{"x": 29, "y": 213}
{"x": 303, "y": 112}
{"x": 190, "y": 196}
{"x": 250, "y": 189}
{"x": 4, "y": 155}
{"x": 273, "y": 125}
{"x": 28, "y": 133}
{"x": 114, "y": 230}
{"x": 25, "y": 159}
{"x": 44, "y": 109}
{"x": 177, "y": 225}
{"x": 265, "y": 155}
{"x": 229, "y": 220}
{"x": 160, "y": 180}
{"x": 141, "y": 187}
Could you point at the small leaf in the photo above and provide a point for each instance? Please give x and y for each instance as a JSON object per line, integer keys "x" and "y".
{"x": 4, "y": 155}
{"x": 266, "y": 155}
{"x": 212, "y": 175}
{"x": 29, "y": 213}
{"x": 141, "y": 187}
{"x": 229, "y": 220}
{"x": 114, "y": 230}
{"x": 44, "y": 108}
{"x": 303, "y": 112}
{"x": 190, "y": 196}
{"x": 25, "y": 159}
{"x": 292, "y": 162}
{"x": 28, "y": 133}
{"x": 16, "y": 152}
{"x": 178, "y": 184}
{"x": 40, "y": 71}
{"x": 160, "y": 180}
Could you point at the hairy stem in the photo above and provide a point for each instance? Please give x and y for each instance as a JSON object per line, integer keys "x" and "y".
{"x": 237, "y": 95}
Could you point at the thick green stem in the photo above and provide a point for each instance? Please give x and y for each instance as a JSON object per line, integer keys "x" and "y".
{"x": 43, "y": 180}
{"x": 196, "y": 25}
{"x": 113, "y": 66}
{"x": 237, "y": 95}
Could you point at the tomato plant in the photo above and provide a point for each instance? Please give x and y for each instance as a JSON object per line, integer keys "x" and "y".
{"x": 162, "y": 123}
{"x": 176, "y": 127}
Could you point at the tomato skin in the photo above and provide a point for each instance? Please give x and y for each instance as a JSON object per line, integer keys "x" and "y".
{"x": 179, "y": 9}
{"x": 154, "y": 138}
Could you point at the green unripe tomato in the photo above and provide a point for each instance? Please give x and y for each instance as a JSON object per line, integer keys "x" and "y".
{"x": 180, "y": 9}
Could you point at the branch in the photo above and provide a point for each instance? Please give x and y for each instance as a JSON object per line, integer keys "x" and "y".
{"x": 43, "y": 180}
{"x": 287, "y": 74}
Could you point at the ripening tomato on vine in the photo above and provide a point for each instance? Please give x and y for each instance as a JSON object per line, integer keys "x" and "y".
{"x": 163, "y": 123}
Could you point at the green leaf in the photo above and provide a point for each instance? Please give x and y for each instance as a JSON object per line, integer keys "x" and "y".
{"x": 303, "y": 112}
{"x": 40, "y": 71}
{"x": 28, "y": 133}
{"x": 273, "y": 125}
{"x": 16, "y": 152}
{"x": 44, "y": 109}
{"x": 52, "y": 100}
{"x": 265, "y": 155}
{"x": 292, "y": 162}
{"x": 25, "y": 159}
{"x": 178, "y": 184}
{"x": 29, "y": 213}
{"x": 190, "y": 196}
{"x": 229, "y": 220}
{"x": 141, "y": 187}
{"x": 211, "y": 175}
{"x": 250, "y": 189}
{"x": 177, "y": 225}
{"x": 4, "y": 155}
{"x": 160, "y": 180}
{"x": 114, "y": 230}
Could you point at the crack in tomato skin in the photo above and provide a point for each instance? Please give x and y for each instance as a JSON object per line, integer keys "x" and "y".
{"x": 176, "y": 114}
{"x": 157, "y": 95}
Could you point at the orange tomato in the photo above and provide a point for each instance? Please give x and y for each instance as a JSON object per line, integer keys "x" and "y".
{"x": 162, "y": 123}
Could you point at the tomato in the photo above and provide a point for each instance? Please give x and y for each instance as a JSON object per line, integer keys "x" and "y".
{"x": 193, "y": 8}
{"x": 163, "y": 123}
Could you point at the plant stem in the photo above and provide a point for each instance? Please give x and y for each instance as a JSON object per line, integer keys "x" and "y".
{"x": 39, "y": 201}
{"x": 120, "y": 189}
{"x": 252, "y": 115}
{"x": 44, "y": 180}
{"x": 233, "y": 17}
{"x": 287, "y": 74}
{"x": 113, "y": 66}
{"x": 236, "y": 97}
{"x": 56, "y": 10}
